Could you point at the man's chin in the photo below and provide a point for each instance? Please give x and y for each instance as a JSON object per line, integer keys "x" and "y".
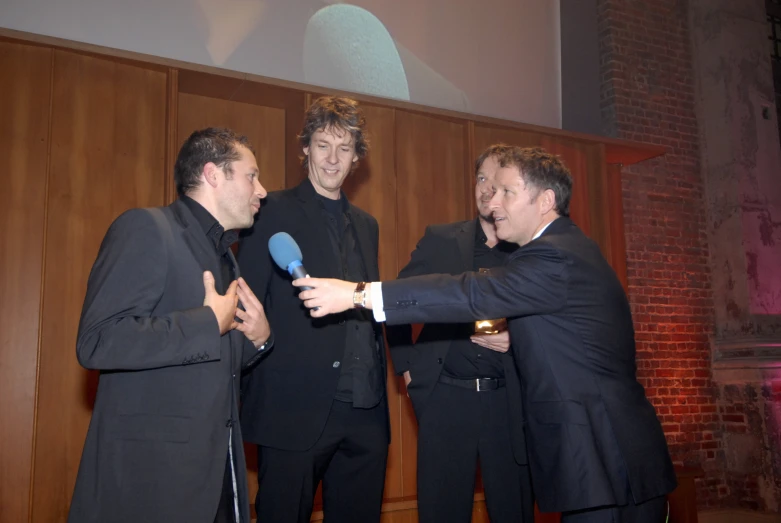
{"x": 488, "y": 218}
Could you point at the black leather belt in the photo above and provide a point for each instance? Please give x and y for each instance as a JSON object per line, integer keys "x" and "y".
{"x": 478, "y": 384}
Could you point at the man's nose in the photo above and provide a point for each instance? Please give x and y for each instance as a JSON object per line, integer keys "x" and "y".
{"x": 260, "y": 190}
{"x": 494, "y": 202}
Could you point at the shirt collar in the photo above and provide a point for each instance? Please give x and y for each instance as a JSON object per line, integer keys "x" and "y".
{"x": 217, "y": 235}
{"x": 539, "y": 233}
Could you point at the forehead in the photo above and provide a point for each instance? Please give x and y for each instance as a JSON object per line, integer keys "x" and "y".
{"x": 489, "y": 166}
{"x": 333, "y": 135}
{"x": 246, "y": 156}
{"x": 509, "y": 175}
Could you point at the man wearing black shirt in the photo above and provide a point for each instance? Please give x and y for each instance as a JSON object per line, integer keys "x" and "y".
{"x": 316, "y": 406}
{"x": 159, "y": 322}
{"x": 464, "y": 386}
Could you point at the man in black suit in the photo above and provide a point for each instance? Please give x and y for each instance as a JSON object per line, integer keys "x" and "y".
{"x": 317, "y": 407}
{"x": 464, "y": 386}
{"x": 163, "y": 444}
{"x": 596, "y": 448}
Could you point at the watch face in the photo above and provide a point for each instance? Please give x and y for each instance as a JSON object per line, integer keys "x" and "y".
{"x": 359, "y": 298}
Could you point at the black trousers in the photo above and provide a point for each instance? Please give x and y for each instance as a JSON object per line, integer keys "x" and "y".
{"x": 458, "y": 428}
{"x": 651, "y": 511}
{"x": 349, "y": 458}
{"x": 225, "y": 510}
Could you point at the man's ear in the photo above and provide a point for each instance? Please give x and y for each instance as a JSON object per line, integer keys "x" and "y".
{"x": 210, "y": 173}
{"x": 547, "y": 201}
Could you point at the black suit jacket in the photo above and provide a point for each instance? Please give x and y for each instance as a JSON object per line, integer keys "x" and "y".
{"x": 588, "y": 422}
{"x": 158, "y": 440}
{"x": 287, "y": 397}
{"x": 445, "y": 249}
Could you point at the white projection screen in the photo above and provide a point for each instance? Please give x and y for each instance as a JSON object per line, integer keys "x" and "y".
{"x": 498, "y": 58}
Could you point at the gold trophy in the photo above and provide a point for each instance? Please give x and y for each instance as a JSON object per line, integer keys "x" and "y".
{"x": 490, "y": 326}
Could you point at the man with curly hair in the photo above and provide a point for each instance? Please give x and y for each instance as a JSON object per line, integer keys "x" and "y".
{"x": 316, "y": 407}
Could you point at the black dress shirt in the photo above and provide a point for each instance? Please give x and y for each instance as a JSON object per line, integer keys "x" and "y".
{"x": 466, "y": 360}
{"x": 360, "y": 380}
{"x": 219, "y": 237}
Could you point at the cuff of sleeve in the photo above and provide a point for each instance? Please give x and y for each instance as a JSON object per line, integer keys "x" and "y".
{"x": 378, "y": 308}
{"x": 268, "y": 344}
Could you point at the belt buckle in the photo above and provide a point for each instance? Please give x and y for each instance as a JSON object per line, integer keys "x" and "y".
{"x": 477, "y": 381}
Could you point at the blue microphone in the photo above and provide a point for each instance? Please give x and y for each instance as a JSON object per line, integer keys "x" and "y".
{"x": 287, "y": 255}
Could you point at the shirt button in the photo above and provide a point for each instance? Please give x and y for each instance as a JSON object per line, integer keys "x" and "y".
{"x": 336, "y": 364}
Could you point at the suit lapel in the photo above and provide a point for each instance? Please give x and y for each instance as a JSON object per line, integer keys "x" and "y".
{"x": 364, "y": 239}
{"x": 465, "y": 238}
{"x": 237, "y": 337}
{"x": 234, "y": 265}
{"x": 197, "y": 242}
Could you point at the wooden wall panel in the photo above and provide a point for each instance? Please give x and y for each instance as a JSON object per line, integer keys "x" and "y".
{"x": 431, "y": 157}
{"x": 24, "y": 143}
{"x": 430, "y": 169}
{"x": 575, "y": 157}
{"x": 264, "y": 126}
{"x": 294, "y": 103}
{"x": 108, "y": 142}
{"x": 598, "y": 199}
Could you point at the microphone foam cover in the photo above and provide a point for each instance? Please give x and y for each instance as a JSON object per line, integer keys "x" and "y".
{"x": 284, "y": 250}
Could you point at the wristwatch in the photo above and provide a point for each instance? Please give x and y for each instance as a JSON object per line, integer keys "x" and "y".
{"x": 359, "y": 295}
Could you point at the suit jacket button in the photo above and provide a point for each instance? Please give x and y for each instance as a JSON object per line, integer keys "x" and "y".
{"x": 439, "y": 360}
{"x": 336, "y": 364}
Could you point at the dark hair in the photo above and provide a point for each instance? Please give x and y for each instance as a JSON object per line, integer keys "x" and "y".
{"x": 496, "y": 149}
{"x": 213, "y": 144}
{"x": 335, "y": 112}
{"x": 541, "y": 170}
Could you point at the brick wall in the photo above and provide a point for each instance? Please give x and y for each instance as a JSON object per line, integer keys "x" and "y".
{"x": 648, "y": 95}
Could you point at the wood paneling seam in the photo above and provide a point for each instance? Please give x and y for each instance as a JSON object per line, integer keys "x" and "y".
{"x": 43, "y": 284}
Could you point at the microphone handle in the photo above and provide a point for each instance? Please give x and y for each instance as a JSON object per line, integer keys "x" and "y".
{"x": 300, "y": 272}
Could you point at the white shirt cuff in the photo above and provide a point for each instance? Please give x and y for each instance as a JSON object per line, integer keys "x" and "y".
{"x": 378, "y": 308}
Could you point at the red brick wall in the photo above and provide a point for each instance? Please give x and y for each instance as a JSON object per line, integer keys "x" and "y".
{"x": 648, "y": 95}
